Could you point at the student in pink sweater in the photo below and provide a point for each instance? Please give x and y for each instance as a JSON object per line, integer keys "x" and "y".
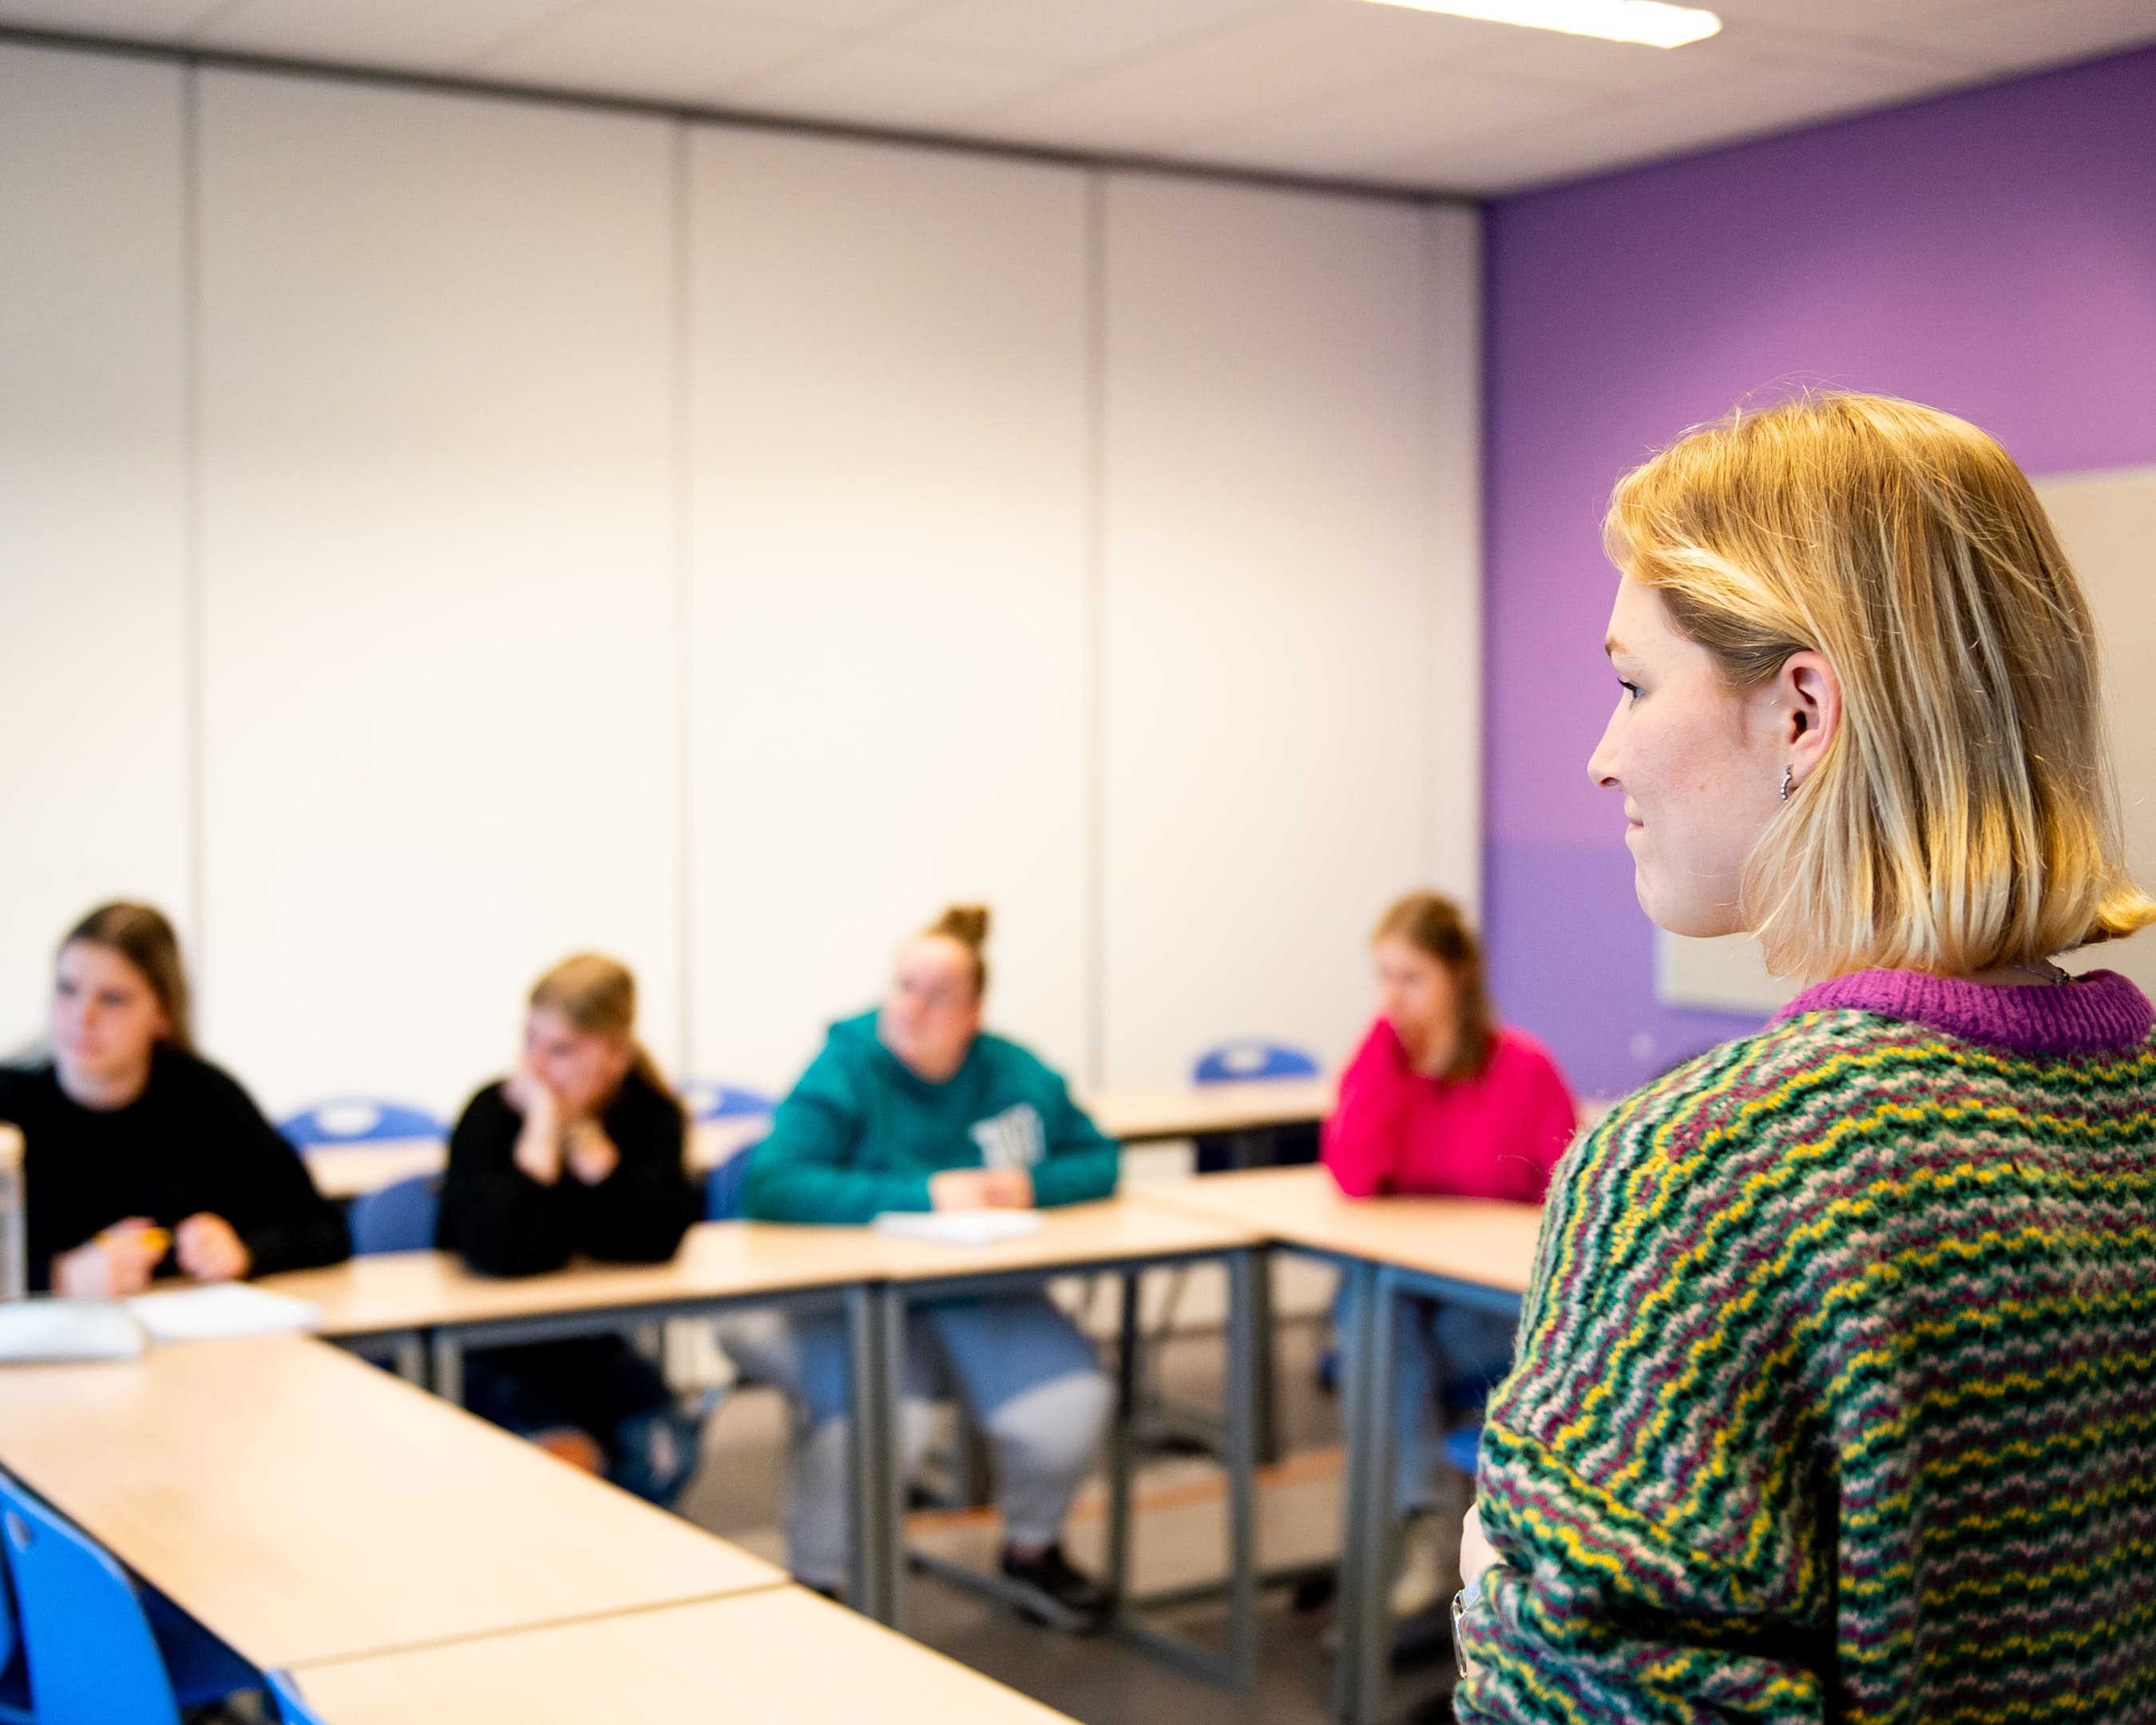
{"x": 1440, "y": 1101}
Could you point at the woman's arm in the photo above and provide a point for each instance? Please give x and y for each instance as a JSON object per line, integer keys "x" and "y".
{"x": 501, "y": 1221}
{"x": 273, "y": 1211}
{"x": 638, "y": 1212}
{"x": 1362, "y": 1142}
{"x": 1082, "y": 1163}
{"x": 803, "y": 1171}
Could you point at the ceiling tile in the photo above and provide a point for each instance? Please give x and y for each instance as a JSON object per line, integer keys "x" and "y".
{"x": 420, "y": 35}
{"x": 840, "y": 16}
{"x": 134, "y": 20}
{"x": 1060, "y": 34}
{"x": 673, "y": 54}
{"x": 880, "y": 83}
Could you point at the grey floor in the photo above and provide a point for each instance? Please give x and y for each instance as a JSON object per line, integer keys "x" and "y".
{"x": 1094, "y": 1681}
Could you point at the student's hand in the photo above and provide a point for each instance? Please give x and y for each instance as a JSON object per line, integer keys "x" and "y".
{"x": 1007, "y": 1189}
{"x": 959, "y": 1188}
{"x": 592, "y": 1155}
{"x": 114, "y": 1264}
{"x": 526, "y": 1092}
{"x": 209, "y": 1251}
{"x": 538, "y": 1151}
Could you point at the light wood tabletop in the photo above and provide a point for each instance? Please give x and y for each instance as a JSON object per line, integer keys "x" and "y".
{"x": 306, "y": 1506}
{"x": 1113, "y": 1230}
{"x": 1137, "y": 1117}
{"x": 1466, "y": 1240}
{"x": 348, "y": 1170}
{"x": 389, "y": 1292}
{"x": 782, "y": 1655}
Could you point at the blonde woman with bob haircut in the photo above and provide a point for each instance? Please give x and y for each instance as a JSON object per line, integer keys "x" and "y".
{"x": 1836, "y": 1394}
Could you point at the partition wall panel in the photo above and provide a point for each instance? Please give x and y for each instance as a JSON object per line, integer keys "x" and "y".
{"x": 94, "y": 687}
{"x": 1289, "y": 646}
{"x": 439, "y": 575}
{"x": 888, "y": 518}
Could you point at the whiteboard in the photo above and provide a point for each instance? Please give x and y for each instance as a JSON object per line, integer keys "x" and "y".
{"x": 2107, "y": 523}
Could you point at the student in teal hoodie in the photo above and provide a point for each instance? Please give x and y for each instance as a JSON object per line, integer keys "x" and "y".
{"x": 914, "y": 1107}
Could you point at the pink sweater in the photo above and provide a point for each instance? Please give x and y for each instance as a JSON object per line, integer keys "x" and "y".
{"x": 1495, "y": 1135}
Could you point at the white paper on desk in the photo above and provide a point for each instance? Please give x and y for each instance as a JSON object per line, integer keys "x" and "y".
{"x": 971, "y": 1228}
{"x": 222, "y": 1309}
{"x": 68, "y": 1329}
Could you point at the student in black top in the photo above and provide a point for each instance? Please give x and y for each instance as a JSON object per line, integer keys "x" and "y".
{"x": 142, "y": 1160}
{"x": 579, "y": 1150}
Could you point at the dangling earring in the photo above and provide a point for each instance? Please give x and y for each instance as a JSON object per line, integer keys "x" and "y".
{"x": 1787, "y": 774}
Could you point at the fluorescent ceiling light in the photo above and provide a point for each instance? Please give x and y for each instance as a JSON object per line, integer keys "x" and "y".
{"x": 1648, "y": 21}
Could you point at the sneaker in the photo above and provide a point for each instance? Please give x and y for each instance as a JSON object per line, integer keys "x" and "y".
{"x": 1053, "y": 1575}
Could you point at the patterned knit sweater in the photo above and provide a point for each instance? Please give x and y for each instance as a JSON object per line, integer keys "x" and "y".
{"x": 1836, "y": 1394}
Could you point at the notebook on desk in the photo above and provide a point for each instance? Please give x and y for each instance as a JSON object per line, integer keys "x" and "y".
{"x": 972, "y": 1228}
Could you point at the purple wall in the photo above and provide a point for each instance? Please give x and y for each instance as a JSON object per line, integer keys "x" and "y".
{"x": 1993, "y": 253}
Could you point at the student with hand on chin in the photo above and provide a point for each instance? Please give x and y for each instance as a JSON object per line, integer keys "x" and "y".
{"x": 581, "y": 1150}
{"x": 914, "y": 1107}
{"x": 141, "y": 1159}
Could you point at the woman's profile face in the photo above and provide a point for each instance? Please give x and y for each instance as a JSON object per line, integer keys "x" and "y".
{"x": 106, "y": 1017}
{"x": 582, "y": 1068}
{"x": 1700, "y": 768}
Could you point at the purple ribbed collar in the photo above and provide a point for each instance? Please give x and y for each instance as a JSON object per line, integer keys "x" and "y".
{"x": 2097, "y": 1014}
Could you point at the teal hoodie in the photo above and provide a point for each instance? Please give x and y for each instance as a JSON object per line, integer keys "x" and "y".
{"x": 861, "y": 1133}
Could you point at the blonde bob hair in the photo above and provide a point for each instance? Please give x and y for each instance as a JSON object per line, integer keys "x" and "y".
{"x": 1964, "y": 815}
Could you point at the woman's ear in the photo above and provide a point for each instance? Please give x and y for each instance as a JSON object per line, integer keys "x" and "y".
{"x": 1808, "y": 694}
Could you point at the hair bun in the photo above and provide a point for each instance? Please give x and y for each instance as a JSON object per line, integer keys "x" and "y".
{"x": 967, "y": 924}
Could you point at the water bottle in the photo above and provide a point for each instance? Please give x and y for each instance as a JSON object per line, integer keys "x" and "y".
{"x": 14, "y": 1258}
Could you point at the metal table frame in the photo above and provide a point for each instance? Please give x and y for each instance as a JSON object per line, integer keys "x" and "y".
{"x": 879, "y": 1478}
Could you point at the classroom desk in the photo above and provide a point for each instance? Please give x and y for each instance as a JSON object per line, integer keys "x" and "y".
{"x": 306, "y": 1506}
{"x": 1255, "y": 1109}
{"x": 427, "y": 1309}
{"x": 780, "y": 1655}
{"x": 1465, "y": 1252}
{"x": 342, "y": 1171}
{"x": 1126, "y": 1237}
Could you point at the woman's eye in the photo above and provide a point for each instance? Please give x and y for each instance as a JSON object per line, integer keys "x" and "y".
{"x": 1631, "y": 690}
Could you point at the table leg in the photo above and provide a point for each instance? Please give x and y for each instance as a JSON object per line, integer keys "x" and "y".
{"x": 1246, "y": 1268}
{"x": 1359, "y": 1280}
{"x": 448, "y": 1349}
{"x": 411, "y": 1359}
{"x": 1368, "y": 1638}
{"x": 868, "y": 1517}
{"x": 1120, "y": 1441}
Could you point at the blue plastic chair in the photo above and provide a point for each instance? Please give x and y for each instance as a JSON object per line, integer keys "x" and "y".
{"x": 292, "y": 1708}
{"x": 1463, "y": 1448}
{"x": 358, "y": 1120}
{"x": 706, "y": 1100}
{"x": 91, "y": 1643}
{"x": 1250, "y": 1057}
{"x": 725, "y": 1187}
{"x": 14, "y": 1685}
{"x": 399, "y": 1218}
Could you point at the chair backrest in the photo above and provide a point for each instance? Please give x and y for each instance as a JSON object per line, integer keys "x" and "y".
{"x": 708, "y": 1100}
{"x": 92, "y": 1658}
{"x": 359, "y": 1119}
{"x": 292, "y": 1708}
{"x": 725, "y": 1187}
{"x": 399, "y": 1218}
{"x": 1250, "y": 1057}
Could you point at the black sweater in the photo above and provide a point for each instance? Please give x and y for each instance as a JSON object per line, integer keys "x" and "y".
{"x": 193, "y": 1142}
{"x": 505, "y": 1223}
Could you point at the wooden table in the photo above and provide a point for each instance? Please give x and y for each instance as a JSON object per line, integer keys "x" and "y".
{"x": 1127, "y": 1237}
{"x": 1466, "y": 1251}
{"x": 781, "y": 1654}
{"x": 307, "y": 1506}
{"x": 342, "y": 1171}
{"x": 1256, "y": 1107}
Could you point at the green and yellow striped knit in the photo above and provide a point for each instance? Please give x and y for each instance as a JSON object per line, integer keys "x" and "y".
{"x": 1836, "y": 1394}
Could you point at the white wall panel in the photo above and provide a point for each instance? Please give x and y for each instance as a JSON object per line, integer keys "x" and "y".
{"x": 94, "y": 799}
{"x": 440, "y": 576}
{"x": 888, "y": 507}
{"x": 1291, "y": 646}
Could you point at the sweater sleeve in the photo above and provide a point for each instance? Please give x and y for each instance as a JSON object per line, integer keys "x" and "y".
{"x": 640, "y": 1212}
{"x": 804, "y": 1171}
{"x": 1647, "y": 1569}
{"x": 500, "y": 1220}
{"x": 273, "y": 1206}
{"x": 1082, "y": 1162}
{"x": 1362, "y": 1142}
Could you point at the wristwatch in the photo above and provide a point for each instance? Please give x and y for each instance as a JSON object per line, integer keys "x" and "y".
{"x": 1468, "y": 1599}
